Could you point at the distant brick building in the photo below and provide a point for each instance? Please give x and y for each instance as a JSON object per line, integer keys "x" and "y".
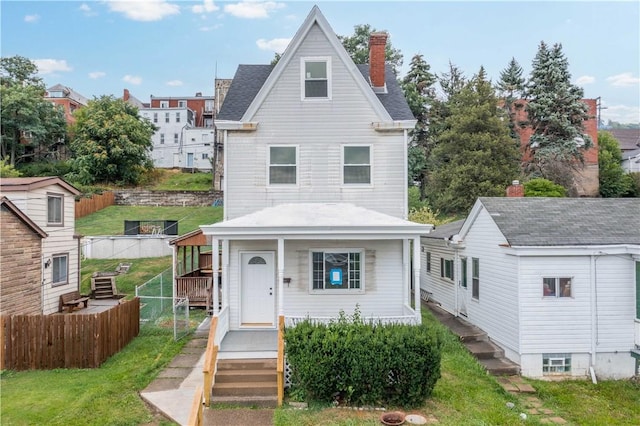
{"x": 67, "y": 98}
{"x": 586, "y": 179}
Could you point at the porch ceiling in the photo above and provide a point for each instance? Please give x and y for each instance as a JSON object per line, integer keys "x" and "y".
{"x": 318, "y": 221}
{"x": 193, "y": 238}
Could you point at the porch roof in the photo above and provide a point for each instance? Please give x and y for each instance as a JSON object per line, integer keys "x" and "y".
{"x": 316, "y": 220}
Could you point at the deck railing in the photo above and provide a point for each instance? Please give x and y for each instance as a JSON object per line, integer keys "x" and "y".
{"x": 197, "y": 289}
{"x": 196, "y": 414}
{"x": 210, "y": 362}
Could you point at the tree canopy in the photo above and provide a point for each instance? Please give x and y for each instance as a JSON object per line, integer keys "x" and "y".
{"x": 612, "y": 178}
{"x": 474, "y": 155}
{"x": 111, "y": 143}
{"x": 32, "y": 128}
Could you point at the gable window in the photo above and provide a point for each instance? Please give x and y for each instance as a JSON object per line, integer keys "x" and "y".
{"x": 556, "y": 287}
{"x": 316, "y": 78}
{"x": 428, "y": 261}
{"x": 164, "y": 104}
{"x": 60, "y": 269}
{"x": 340, "y": 269}
{"x": 55, "y": 204}
{"x": 463, "y": 272}
{"x": 446, "y": 268}
{"x": 182, "y": 104}
{"x": 475, "y": 277}
{"x": 556, "y": 363}
{"x": 283, "y": 165}
{"x": 356, "y": 160}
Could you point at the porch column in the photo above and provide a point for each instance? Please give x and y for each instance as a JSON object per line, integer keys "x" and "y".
{"x": 280, "y": 276}
{"x": 406, "y": 274}
{"x": 225, "y": 273}
{"x": 215, "y": 265}
{"x": 416, "y": 278}
{"x": 174, "y": 272}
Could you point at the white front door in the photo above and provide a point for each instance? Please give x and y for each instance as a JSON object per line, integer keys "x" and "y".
{"x": 258, "y": 289}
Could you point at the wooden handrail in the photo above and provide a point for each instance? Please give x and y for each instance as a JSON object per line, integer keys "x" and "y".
{"x": 210, "y": 360}
{"x": 280, "y": 362}
{"x": 196, "y": 414}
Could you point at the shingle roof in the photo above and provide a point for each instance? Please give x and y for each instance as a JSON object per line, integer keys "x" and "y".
{"x": 629, "y": 139}
{"x": 445, "y": 231}
{"x": 249, "y": 79}
{"x": 533, "y": 221}
{"x": 30, "y": 183}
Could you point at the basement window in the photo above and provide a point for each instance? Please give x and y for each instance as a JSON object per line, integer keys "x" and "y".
{"x": 556, "y": 364}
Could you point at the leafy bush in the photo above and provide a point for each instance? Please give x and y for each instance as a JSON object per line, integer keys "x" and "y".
{"x": 540, "y": 187}
{"x": 7, "y": 170}
{"x": 45, "y": 168}
{"x": 632, "y": 184}
{"x": 362, "y": 362}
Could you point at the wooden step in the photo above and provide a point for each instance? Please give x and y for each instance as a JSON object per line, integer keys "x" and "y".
{"x": 250, "y": 364}
{"x": 254, "y": 401}
{"x": 246, "y": 376}
{"x": 245, "y": 389}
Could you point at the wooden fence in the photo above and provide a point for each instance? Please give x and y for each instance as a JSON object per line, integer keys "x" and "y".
{"x": 43, "y": 342}
{"x": 86, "y": 206}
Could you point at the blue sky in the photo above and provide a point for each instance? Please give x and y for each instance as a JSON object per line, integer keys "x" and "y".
{"x": 175, "y": 47}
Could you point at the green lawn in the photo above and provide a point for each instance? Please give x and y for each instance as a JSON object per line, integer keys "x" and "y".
{"x": 110, "y": 221}
{"x": 141, "y": 271}
{"x": 172, "y": 180}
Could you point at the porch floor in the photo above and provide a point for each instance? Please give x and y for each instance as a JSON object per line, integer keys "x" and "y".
{"x": 249, "y": 344}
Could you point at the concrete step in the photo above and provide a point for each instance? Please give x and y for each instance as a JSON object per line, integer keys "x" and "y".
{"x": 247, "y": 364}
{"x": 246, "y": 375}
{"x": 500, "y": 366}
{"x": 484, "y": 349}
{"x": 246, "y": 389}
{"x": 255, "y": 401}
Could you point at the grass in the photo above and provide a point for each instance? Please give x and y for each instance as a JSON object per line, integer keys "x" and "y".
{"x": 174, "y": 180}
{"x": 141, "y": 271}
{"x": 110, "y": 221}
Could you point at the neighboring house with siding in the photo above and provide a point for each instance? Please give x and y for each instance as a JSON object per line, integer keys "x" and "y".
{"x": 50, "y": 203}
{"x": 20, "y": 261}
{"x": 315, "y": 189}
{"x": 554, "y": 281}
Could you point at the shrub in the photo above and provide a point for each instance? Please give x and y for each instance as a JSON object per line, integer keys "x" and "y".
{"x": 7, "y": 170}
{"x": 540, "y": 187}
{"x": 362, "y": 362}
{"x": 45, "y": 168}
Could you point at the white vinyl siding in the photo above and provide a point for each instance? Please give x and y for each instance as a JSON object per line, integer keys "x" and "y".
{"x": 441, "y": 289}
{"x": 320, "y": 129}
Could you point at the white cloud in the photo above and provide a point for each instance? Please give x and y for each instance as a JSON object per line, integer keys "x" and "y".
{"x": 49, "y": 66}
{"x": 276, "y": 44}
{"x": 621, "y": 113}
{"x": 132, "y": 79}
{"x": 585, "y": 79}
{"x": 208, "y": 6}
{"x": 210, "y": 28}
{"x": 174, "y": 83}
{"x": 96, "y": 74}
{"x": 86, "y": 9}
{"x": 624, "y": 79}
{"x": 144, "y": 10}
{"x": 31, "y": 18}
{"x": 252, "y": 9}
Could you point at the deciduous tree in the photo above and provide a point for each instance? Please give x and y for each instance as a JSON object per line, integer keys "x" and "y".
{"x": 357, "y": 45}
{"x": 111, "y": 143}
{"x": 612, "y": 179}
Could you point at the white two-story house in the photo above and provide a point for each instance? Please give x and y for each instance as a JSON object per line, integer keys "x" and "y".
{"x": 50, "y": 203}
{"x": 315, "y": 189}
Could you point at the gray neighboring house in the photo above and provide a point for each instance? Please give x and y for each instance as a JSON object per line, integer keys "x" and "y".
{"x": 554, "y": 281}
{"x": 629, "y": 140}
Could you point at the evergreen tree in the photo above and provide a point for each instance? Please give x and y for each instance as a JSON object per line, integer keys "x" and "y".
{"x": 111, "y": 143}
{"x": 556, "y": 114}
{"x": 474, "y": 155}
{"x": 418, "y": 86}
{"x": 357, "y": 45}
{"x": 511, "y": 83}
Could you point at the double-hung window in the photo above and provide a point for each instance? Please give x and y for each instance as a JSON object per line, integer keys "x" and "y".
{"x": 337, "y": 269}
{"x": 161, "y": 138}
{"x": 164, "y": 104}
{"x": 55, "y": 204}
{"x": 283, "y": 169}
{"x": 446, "y": 268}
{"x": 176, "y": 138}
{"x": 475, "y": 278}
{"x": 316, "y": 78}
{"x": 155, "y": 117}
{"x": 177, "y": 117}
{"x": 556, "y": 287}
{"x": 166, "y": 117}
{"x": 356, "y": 164}
{"x": 60, "y": 269}
{"x": 463, "y": 272}
{"x": 428, "y": 261}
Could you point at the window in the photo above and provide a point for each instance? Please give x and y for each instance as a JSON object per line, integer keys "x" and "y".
{"x": 205, "y": 155}
{"x": 208, "y": 105}
{"x": 164, "y": 104}
{"x": 356, "y": 162}
{"x": 316, "y": 78}
{"x": 556, "y": 287}
{"x": 475, "y": 277}
{"x": 60, "y": 270}
{"x": 177, "y": 117}
{"x": 175, "y": 138}
{"x": 556, "y": 363}
{"x": 428, "y": 261}
{"x": 282, "y": 165}
{"x": 339, "y": 269}
{"x": 446, "y": 268}
{"x": 166, "y": 117}
{"x": 463, "y": 272}
{"x": 55, "y": 209}
{"x": 182, "y": 104}
{"x": 155, "y": 117}
{"x": 161, "y": 138}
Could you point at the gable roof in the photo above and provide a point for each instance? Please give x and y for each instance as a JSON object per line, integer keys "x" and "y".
{"x": 629, "y": 139}
{"x": 445, "y": 231}
{"x": 31, "y": 183}
{"x": 541, "y": 221}
{"x": 252, "y": 83}
{"x": 5, "y": 203}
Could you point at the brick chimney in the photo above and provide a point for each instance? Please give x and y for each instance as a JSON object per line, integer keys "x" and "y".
{"x": 125, "y": 96}
{"x": 377, "y": 45}
{"x": 516, "y": 189}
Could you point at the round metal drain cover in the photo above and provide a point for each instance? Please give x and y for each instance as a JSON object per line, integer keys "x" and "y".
{"x": 415, "y": 419}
